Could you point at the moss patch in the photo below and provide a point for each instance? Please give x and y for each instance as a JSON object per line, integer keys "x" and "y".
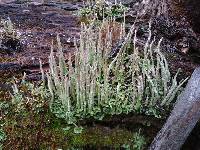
{"x": 44, "y": 131}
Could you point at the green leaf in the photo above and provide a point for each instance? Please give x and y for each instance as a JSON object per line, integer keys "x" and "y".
{"x": 66, "y": 128}
{"x": 78, "y": 130}
{"x": 2, "y": 135}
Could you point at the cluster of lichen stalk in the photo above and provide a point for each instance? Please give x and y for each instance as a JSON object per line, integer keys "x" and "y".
{"x": 93, "y": 85}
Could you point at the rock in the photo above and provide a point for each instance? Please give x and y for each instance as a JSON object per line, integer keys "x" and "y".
{"x": 68, "y": 6}
{"x": 10, "y": 45}
{"x": 6, "y": 1}
{"x": 125, "y": 2}
{"x": 182, "y": 119}
{"x": 193, "y": 8}
{"x": 9, "y": 70}
{"x": 38, "y": 26}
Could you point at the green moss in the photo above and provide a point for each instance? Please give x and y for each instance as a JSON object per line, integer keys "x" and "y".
{"x": 38, "y": 132}
{"x": 78, "y": 141}
{"x": 98, "y": 137}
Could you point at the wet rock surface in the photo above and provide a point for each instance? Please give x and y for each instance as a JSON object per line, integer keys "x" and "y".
{"x": 179, "y": 40}
{"x": 193, "y": 7}
{"x": 39, "y": 23}
{"x": 38, "y": 26}
{"x": 10, "y": 45}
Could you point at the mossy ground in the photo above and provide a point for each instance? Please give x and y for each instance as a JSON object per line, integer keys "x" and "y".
{"x": 44, "y": 131}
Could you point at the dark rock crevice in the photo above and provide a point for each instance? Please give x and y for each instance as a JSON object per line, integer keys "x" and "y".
{"x": 193, "y": 9}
